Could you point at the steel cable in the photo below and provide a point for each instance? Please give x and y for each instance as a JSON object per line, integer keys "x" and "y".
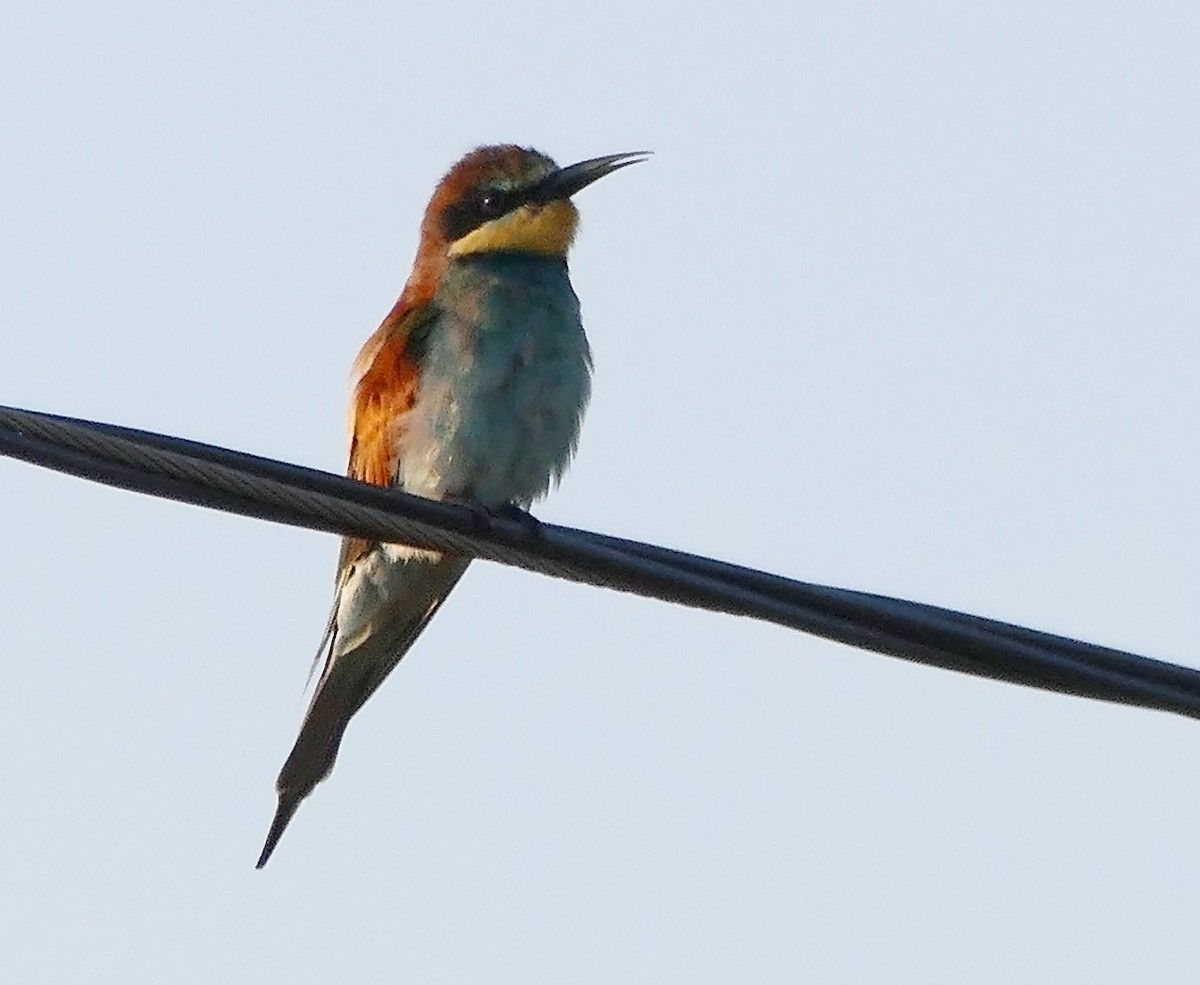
{"x": 235, "y": 482}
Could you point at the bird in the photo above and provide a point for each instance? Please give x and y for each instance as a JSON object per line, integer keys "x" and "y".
{"x": 471, "y": 390}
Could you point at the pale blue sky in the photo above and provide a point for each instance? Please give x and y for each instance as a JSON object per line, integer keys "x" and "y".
{"x": 905, "y": 301}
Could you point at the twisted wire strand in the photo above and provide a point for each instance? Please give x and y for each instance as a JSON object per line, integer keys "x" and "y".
{"x": 235, "y": 482}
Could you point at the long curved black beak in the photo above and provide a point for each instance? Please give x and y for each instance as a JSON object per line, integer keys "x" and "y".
{"x": 565, "y": 182}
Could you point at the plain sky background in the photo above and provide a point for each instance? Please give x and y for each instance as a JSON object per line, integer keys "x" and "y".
{"x": 906, "y": 301}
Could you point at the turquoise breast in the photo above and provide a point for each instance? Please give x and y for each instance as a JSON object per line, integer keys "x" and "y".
{"x": 505, "y": 379}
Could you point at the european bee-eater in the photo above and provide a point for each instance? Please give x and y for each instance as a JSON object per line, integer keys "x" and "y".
{"x": 472, "y": 389}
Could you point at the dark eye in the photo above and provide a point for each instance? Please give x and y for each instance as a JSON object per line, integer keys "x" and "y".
{"x": 492, "y": 203}
{"x": 476, "y": 207}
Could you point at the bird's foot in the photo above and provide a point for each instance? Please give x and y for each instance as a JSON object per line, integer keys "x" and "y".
{"x": 484, "y": 519}
{"x": 526, "y": 520}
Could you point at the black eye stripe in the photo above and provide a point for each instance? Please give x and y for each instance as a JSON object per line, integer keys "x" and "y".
{"x": 476, "y": 208}
{"x": 493, "y": 203}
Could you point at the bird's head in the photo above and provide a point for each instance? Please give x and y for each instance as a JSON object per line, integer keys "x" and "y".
{"x": 504, "y": 199}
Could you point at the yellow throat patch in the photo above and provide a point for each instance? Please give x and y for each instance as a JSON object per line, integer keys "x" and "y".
{"x": 547, "y": 230}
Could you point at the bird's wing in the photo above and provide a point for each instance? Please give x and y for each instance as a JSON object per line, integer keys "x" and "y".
{"x": 386, "y": 375}
{"x": 386, "y": 594}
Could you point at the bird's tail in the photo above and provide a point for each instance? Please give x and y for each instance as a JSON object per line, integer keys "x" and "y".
{"x": 382, "y": 605}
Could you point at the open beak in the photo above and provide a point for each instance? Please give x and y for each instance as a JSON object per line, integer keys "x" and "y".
{"x": 565, "y": 182}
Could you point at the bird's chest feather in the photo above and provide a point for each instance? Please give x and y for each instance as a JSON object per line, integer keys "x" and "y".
{"x": 504, "y": 382}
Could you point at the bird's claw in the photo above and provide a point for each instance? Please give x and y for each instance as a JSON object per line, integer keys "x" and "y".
{"x": 523, "y": 518}
{"x": 484, "y": 519}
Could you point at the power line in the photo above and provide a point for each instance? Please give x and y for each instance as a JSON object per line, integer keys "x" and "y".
{"x": 235, "y": 482}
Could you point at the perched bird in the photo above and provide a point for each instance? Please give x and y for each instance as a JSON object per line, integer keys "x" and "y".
{"x": 472, "y": 389}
